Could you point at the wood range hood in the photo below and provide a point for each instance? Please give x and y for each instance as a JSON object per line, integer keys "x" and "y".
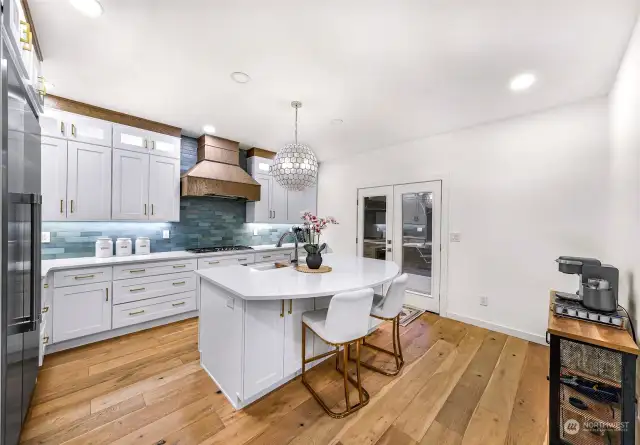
{"x": 218, "y": 173}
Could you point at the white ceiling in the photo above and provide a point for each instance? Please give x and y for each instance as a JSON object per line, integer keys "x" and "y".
{"x": 391, "y": 70}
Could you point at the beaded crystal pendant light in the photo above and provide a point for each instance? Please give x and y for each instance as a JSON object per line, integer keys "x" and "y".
{"x": 295, "y": 166}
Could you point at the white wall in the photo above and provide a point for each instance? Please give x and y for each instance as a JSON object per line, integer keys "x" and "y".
{"x": 521, "y": 192}
{"x": 624, "y": 229}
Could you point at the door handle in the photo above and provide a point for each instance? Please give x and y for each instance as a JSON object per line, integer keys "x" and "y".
{"x": 62, "y": 128}
{"x": 73, "y": 130}
{"x": 388, "y": 249}
{"x": 62, "y": 206}
{"x": 282, "y": 309}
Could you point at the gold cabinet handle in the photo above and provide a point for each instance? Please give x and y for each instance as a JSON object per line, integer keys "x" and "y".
{"x": 73, "y": 130}
{"x": 153, "y": 145}
{"x": 62, "y": 127}
{"x": 46, "y": 286}
{"x": 282, "y": 309}
{"x": 145, "y": 210}
{"x": 242, "y": 259}
{"x": 45, "y": 309}
{"x": 137, "y": 289}
{"x": 179, "y": 266}
{"x": 107, "y": 292}
{"x": 266, "y": 256}
{"x": 152, "y": 211}
{"x": 290, "y": 306}
{"x": 137, "y": 270}
{"x": 179, "y": 283}
{"x": 178, "y": 304}
{"x": 145, "y": 143}
{"x": 137, "y": 312}
{"x": 214, "y": 262}
{"x": 81, "y": 277}
{"x": 45, "y": 340}
{"x": 72, "y": 206}
{"x": 62, "y": 206}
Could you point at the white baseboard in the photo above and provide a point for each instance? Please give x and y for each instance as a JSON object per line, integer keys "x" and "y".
{"x": 535, "y": 338}
{"x": 75, "y": 342}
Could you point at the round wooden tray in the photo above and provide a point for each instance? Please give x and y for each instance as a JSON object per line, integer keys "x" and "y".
{"x": 305, "y": 269}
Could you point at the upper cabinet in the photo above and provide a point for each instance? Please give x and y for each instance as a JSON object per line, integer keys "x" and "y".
{"x": 144, "y": 141}
{"x": 95, "y": 170}
{"x": 277, "y": 205}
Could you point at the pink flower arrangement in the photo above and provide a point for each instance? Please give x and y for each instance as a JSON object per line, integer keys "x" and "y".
{"x": 314, "y": 226}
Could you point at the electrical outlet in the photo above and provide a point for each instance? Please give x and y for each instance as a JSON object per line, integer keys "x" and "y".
{"x": 484, "y": 301}
{"x": 46, "y": 237}
{"x": 165, "y": 234}
{"x": 454, "y": 237}
{"x": 255, "y": 232}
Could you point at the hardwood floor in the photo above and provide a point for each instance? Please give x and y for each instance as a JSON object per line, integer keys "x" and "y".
{"x": 461, "y": 385}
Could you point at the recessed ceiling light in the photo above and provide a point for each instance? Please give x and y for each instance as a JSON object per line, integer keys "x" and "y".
{"x": 90, "y": 8}
{"x": 240, "y": 77}
{"x": 522, "y": 82}
{"x": 209, "y": 129}
{"x": 336, "y": 121}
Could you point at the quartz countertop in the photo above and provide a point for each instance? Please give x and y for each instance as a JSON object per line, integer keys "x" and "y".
{"x": 72, "y": 263}
{"x": 349, "y": 273}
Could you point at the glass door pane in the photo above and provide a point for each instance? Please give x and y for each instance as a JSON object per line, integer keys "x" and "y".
{"x": 375, "y": 216}
{"x": 417, "y": 241}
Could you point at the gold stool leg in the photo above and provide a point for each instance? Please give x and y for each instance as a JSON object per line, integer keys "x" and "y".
{"x": 358, "y": 379}
{"x": 396, "y": 353}
{"x": 345, "y": 373}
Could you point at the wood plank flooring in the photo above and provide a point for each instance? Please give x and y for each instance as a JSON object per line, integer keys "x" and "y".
{"x": 461, "y": 385}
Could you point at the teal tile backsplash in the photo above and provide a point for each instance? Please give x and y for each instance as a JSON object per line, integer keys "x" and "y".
{"x": 204, "y": 221}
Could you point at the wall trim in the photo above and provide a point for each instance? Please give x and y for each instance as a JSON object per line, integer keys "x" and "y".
{"x": 535, "y": 338}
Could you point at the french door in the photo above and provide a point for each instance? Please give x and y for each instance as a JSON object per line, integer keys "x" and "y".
{"x": 401, "y": 223}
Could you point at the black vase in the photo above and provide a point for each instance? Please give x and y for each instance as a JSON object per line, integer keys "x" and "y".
{"x": 314, "y": 260}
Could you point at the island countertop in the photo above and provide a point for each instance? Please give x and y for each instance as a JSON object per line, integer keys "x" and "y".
{"x": 349, "y": 273}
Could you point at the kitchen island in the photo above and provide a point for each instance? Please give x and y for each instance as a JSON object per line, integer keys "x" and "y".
{"x": 251, "y": 319}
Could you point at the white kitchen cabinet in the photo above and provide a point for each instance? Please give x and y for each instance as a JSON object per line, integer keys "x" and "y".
{"x": 293, "y": 334}
{"x": 89, "y": 130}
{"x": 55, "y": 123}
{"x": 130, "y": 191}
{"x": 81, "y": 310}
{"x": 300, "y": 202}
{"x": 164, "y": 189}
{"x": 54, "y": 179}
{"x": 260, "y": 211}
{"x": 130, "y": 138}
{"x": 164, "y": 145}
{"x": 88, "y": 182}
{"x": 46, "y": 323}
{"x": 263, "y": 345}
{"x": 278, "y": 203}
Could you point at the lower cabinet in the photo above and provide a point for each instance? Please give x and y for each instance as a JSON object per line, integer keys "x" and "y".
{"x": 293, "y": 335}
{"x": 81, "y": 310}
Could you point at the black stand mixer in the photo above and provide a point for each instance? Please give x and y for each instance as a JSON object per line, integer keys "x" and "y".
{"x": 598, "y": 283}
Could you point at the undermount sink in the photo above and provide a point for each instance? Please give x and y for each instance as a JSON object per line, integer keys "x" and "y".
{"x": 267, "y": 266}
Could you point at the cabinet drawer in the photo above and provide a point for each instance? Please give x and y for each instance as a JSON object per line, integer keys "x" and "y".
{"x": 74, "y": 277}
{"x": 136, "y": 289}
{"x": 153, "y": 308}
{"x": 150, "y": 269}
{"x": 273, "y": 256}
{"x": 217, "y": 261}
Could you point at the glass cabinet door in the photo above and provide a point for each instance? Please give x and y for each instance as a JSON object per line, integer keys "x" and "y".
{"x": 375, "y": 218}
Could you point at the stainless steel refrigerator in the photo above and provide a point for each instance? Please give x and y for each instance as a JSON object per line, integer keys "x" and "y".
{"x": 20, "y": 280}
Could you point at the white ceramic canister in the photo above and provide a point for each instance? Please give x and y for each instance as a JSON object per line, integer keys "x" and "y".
{"x": 143, "y": 245}
{"x": 123, "y": 247}
{"x": 104, "y": 247}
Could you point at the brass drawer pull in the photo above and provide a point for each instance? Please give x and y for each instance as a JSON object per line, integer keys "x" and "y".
{"x": 137, "y": 270}
{"x": 45, "y": 309}
{"x": 290, "y": 306}
{"x": 73, "y": 130}
{"x": 242, "y": 259}
{"x": 179, "y": 266}
{"x": 62, "y": 206}
{"x": 61, "y": 127}
{"x": 137, "y": 289}
{"x": 179, "y": 283}
{"x": 145, "y": 143}
{"x": 282, "y": 309}
{"x": 81, "y": 277}
{"x": 46, "y": 286}
{"x": 137, "y": 312}
{"x": 45, "y": 340}
{"x": 266, "y": 256}
{"x": 145, "y": 210}
{"x": 179, "y": 304}
{"x": 215, "y": 262}
{"x": 106, "y": 289}
{"x": 152, "y": 211}
{"x": 72, "y": 206}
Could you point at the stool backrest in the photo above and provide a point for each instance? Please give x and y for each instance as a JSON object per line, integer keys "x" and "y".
{"x": 392, "y": 303}
{"x": 348, "y": 316}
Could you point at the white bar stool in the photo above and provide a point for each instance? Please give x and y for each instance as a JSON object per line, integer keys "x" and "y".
{"x": 389, "y": 308}
{"x": 346, "y": 321}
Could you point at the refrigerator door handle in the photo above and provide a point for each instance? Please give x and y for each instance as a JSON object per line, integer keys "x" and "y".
{"x": 36, "y": 279}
